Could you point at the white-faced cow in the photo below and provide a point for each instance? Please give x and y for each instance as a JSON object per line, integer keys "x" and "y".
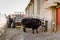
{"x": 33, "y": 23}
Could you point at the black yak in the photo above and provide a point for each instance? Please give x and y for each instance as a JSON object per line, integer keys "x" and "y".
{"x": 33, "y": 23}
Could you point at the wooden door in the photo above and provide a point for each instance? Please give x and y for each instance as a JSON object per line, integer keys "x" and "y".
{"x": 58, "y": 19}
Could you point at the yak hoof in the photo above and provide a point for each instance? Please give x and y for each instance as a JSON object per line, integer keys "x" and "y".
{"x": 37, "y": 32}
{"x": 33, "y": 32}
{"x": 24, "y": 30}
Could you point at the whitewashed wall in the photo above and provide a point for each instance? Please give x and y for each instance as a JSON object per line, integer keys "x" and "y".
{"x": 35, "y": 8}
{"x": 45, "y": 13}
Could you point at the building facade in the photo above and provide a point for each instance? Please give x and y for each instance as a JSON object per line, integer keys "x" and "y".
{"x": 30, "y": 9}
{"x": 48, "y": 12}
{"x": 46, "y": 9}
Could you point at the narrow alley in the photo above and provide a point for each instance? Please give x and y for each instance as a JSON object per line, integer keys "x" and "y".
{"x": 17, "y": 34}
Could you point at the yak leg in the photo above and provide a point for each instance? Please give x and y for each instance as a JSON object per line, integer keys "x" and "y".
{"x": 33, "y": 30}
{"x": 36, "y": 30}
{"x": 24, "y": 29}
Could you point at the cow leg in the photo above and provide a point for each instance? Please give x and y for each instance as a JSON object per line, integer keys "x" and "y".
{"x": 33, "y": 30}
{"x": 37, "y": 30}
{"x": 24, "y": 29}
